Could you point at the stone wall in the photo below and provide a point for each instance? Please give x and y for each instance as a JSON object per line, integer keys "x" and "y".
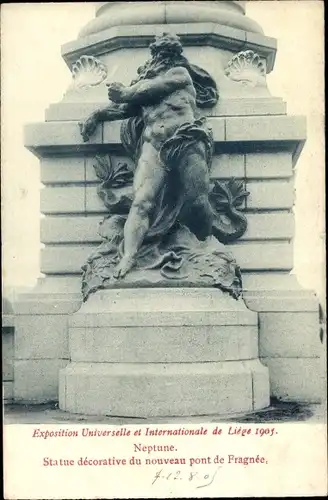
{"x": 259, "y": 150}
{"x": 8, "y": 340}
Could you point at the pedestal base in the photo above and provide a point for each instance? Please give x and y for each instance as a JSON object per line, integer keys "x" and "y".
{"x": 164, "y": 389}
{"x": 163, "y": 352}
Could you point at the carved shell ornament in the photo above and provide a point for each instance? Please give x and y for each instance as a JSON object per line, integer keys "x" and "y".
{"x": 246, "y": 67}
{"x": 113, "y": 178}
{"x": 88, "y": 71}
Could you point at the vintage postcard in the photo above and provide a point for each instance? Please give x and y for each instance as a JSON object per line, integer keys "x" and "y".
{"x": 163, "y": 249}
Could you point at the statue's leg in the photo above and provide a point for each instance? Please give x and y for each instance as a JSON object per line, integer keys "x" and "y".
{"x": 148, "y": 180}
{"x": 197, "y": 212}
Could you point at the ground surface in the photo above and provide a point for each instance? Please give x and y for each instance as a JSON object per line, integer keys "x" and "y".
{"x": 278, "y": 412}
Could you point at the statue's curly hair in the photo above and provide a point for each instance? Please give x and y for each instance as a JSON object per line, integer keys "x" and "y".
{"x": 167, "y": 52}
{"x": 166, "y": 43}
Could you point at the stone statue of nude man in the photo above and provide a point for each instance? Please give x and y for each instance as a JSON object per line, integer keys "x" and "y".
{"x": 173, "y": 137}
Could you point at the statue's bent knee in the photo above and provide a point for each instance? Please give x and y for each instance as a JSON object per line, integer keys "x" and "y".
{"x": 142, "y": 206}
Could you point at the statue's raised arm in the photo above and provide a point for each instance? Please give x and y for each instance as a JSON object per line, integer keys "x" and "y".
{"x": 151, "y": 91}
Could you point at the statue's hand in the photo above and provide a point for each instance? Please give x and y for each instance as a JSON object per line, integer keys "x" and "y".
{"x": 88, "y": 127}
{"x": 116, "y": 92}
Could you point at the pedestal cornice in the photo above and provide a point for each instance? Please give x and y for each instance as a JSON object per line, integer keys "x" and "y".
{"x": 193, "y": 34}
{"x": 230, "y": 134}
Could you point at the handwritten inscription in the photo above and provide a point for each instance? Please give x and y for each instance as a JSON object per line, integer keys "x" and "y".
{"x": 199, "y": 479}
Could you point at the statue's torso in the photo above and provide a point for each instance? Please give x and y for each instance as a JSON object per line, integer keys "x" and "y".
{"x": 165, "y": 117}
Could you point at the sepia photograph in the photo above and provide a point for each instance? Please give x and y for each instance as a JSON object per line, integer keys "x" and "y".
{"x": 163, "y": 249}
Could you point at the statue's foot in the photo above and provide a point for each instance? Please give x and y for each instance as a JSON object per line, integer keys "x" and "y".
{"x": 124, "y": 266}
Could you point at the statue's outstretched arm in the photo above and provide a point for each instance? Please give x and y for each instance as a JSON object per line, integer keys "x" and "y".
{"x": 146, "y": 91}
{"x": 109, "y": 113}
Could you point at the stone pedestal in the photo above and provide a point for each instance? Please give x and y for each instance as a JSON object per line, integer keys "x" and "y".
{"x": 163, "y": 352}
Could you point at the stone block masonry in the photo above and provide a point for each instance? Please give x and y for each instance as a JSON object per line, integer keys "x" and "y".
{"x": 41, "y": 344}
{"x": 8, "y": 345}
{"x": 73, "y": 209}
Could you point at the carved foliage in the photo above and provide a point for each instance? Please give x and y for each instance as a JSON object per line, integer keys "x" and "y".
{"x": 88, "y": 72}
{"x": 226, "y": 198}
{"x": 116, "y": 184}
{"x": 246, "y": 67}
